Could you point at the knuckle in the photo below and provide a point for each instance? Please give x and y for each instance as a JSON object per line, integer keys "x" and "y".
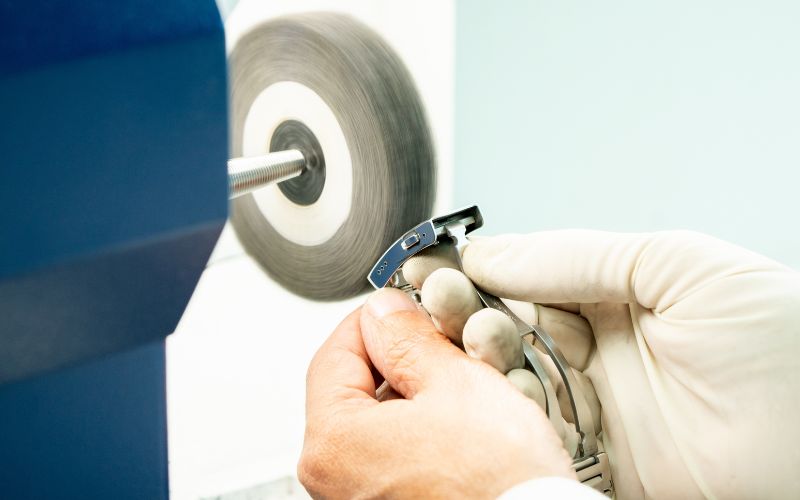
{"x": 308, "y": 470}
{"x": 313, "y": 467}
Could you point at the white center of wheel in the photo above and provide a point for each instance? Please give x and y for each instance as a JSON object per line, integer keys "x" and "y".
{"x": 312, "y": 224}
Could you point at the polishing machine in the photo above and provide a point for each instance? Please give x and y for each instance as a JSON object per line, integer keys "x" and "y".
{"x": 119, "y": 119}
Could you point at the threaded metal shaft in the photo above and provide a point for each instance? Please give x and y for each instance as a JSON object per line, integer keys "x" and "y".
{"x": 248, "y": 174}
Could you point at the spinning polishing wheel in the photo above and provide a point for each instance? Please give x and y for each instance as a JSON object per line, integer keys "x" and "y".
{"x": 336, "y": 158}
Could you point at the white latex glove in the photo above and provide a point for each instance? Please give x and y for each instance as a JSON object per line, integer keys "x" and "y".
{"x": 692, "y": 346}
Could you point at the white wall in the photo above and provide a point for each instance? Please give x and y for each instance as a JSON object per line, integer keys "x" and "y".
{"x": 632, "y": 116}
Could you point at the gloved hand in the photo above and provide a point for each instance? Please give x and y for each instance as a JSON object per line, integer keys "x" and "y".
{"x": 691, "y": 345}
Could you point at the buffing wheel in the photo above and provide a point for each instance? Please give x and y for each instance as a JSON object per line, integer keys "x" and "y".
{"x": 330, "y": 87}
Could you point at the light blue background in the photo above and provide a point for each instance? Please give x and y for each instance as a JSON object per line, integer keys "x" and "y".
{"x": 632, "y": 116}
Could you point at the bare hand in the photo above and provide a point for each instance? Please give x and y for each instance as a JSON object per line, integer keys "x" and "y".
{"x": 450, "y": 427}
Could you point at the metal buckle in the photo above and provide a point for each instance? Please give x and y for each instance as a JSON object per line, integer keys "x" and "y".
{"x": 590, "y": 464}
{"x": 595, "y": 472}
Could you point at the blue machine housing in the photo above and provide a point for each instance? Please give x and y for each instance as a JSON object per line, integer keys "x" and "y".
{"x": 113, "y": 185}
{"x": 113, "y": 192}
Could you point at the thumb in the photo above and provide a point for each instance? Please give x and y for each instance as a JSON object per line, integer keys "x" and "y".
{"x": 557, "y": 266}
{"x": 404, "y": 345}
{"x": 655, "y": 270}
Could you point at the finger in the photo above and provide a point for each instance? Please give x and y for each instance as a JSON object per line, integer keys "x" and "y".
{"x": 526, "y": 311}
{"x": 655, "y": 270}
{"x": 584, "y": 388}
{"x": 419, "y": 267}
{"x": 592, "y": 401}
{"x": 405, "y": 346}
{"x": 450, "y": 299}
{"x": 529, "y": 385}
{"x": 555, "y": 378}
{"x": 556, "y": 266}
{"x": 491, "y": 336}
{"x": 340, "y": 373}
{"x": 570, "y": 437}
{"x": 571, "y": 333}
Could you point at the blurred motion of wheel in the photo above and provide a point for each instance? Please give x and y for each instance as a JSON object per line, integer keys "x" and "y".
{"x": 331, "y": 87}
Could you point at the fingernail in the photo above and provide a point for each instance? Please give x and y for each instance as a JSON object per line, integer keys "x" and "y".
{"x": 387, "y": 301}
